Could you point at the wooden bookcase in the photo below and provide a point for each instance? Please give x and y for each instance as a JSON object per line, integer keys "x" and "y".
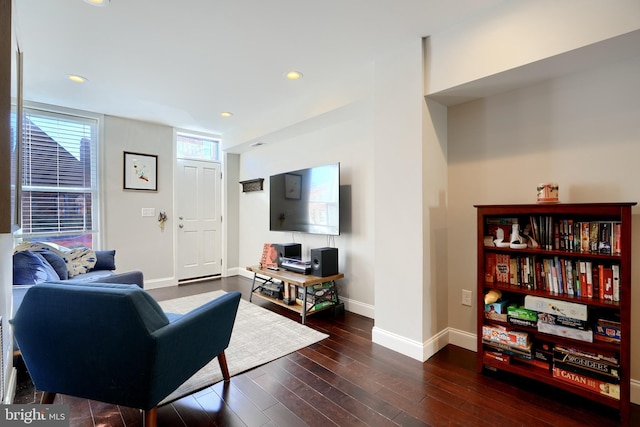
{"x": 557, "y": 213}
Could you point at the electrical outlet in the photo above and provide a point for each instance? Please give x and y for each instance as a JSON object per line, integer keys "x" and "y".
{"x": 466, "y": 297}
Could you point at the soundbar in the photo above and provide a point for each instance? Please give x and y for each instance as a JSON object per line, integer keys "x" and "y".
{"x": 296, "y": 265}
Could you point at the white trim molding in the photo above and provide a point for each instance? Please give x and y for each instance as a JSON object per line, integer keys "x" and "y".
{"x": 395, "y": 342}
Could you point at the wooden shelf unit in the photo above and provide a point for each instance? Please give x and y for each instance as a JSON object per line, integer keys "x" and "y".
{"x": 291, "y": 278}
{"x": 582, "y": 212}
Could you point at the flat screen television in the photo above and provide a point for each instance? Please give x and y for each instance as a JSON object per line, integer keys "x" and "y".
{"x": 306, "y": 200}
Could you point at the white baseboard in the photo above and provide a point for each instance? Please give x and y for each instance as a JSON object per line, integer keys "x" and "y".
{"x": 463, "y": 339}
{"x": 395, "y": 342}
{"x": 414, "y": 349}
{"x": 237, "y": 271}
{"x": 12, "y": 383}
{"x": 357, "y": 307}
{"x": 635, "y": 392}
{"x": 164, "y": 282}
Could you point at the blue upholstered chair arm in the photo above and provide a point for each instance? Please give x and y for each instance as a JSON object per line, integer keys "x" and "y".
{"x": 190, "y": 341}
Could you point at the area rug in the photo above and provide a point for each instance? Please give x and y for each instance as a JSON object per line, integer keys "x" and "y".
{"x": 259, "y": 336}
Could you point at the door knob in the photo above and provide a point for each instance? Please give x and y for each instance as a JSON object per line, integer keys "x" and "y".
{"x": 181, "y": 226}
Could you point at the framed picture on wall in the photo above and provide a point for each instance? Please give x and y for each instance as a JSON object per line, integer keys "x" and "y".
{"x": 140, "y": 171}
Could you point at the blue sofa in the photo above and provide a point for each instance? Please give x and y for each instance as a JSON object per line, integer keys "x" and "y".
{"x": 35, "y": 263}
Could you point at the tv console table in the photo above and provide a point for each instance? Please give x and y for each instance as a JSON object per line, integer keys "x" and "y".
{"x": 292, "y": 279}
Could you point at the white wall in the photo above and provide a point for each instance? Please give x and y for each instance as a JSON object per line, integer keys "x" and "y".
{"x": 139, "y": 242}
{"x": 519, "y": 33}
{"x": 343, "y": 135}
{"x": 398, "y": 200}
{"x": 581, "y": 130}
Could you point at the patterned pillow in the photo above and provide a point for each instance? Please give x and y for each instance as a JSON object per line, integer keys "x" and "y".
{"x": 80, "y": 260}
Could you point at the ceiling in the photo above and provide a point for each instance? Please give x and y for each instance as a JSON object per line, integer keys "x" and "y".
{"x": 182, "y": 63}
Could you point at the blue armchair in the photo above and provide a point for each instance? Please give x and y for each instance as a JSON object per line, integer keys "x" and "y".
{"x": 113, "y": 343}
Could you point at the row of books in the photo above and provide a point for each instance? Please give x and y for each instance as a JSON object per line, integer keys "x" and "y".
{"x": 555, "y": 275}
{"x": 552, "y": 233}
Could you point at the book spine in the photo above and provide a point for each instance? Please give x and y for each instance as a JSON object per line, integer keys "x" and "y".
{"x": 615, "y": 271}
{"x": 571, "y": 236}
{"x": 595, "y": 279}
{"x": 583, "y": 278}
{"x": 558, "y": 265}
{"x": 606, "y": 280}
{"x": 616, "y": 233}
{"x": 490, "y": 267}
{"x": 601, "y": 281}
{"x": 540, "y": 285}
{"x": 513, "y": 271}
{"x": 593, "y": 236}
{"x": 604, "y": 238}
{"x": 569, "y": 268}
{"x": 585, "y": 237}
{"x": 589, "y": 268}
{"x": 502, "y": 268}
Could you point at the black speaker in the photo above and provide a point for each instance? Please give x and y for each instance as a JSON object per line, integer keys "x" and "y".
{"x": 288, "y": 250}
{"x": 324, "y": 261}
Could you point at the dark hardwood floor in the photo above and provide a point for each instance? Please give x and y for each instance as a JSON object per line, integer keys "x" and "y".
{"x": 349, "y": 381}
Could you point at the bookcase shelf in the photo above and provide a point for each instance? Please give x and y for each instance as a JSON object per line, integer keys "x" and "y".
{"x": 573, "y": 298}
{"x": 526, "y": 274}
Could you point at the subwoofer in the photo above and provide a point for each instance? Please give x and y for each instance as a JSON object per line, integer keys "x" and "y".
{"x": 324, "y": 261}
{"x": 288, "y": 250}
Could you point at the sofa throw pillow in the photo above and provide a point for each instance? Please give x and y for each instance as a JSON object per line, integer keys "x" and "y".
{"x": 56, "y": 261}
{"x": 80, "y": 260}
{"x": 31, "y": 269}
{"x": 105, "y": 260}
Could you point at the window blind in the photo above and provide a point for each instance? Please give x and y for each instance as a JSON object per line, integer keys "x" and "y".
{"x": 59, "y": 174}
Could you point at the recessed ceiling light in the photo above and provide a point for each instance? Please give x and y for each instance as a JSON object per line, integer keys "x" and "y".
{"x": 294, "y": 75}
{"x": 77, "y": 79}
{"x": 226, "y": 114}
{"x": 99, "y": 3}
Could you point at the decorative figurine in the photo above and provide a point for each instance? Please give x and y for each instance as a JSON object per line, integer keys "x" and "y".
{"x": 517, "y": 241}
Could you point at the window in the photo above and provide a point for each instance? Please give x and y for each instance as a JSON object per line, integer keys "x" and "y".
{"x": 59, "y": 178}
{"x": 197, "y": 147}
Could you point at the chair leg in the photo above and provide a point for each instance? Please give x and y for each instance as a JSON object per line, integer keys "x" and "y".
{"x": 151, "y": 417}
{"x": 47, "y": 398}
{"x": 222, "y": 359}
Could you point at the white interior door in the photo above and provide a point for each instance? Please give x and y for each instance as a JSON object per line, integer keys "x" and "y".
{"x": 198, "y": 200}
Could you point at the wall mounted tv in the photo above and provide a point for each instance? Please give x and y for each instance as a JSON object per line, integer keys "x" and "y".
{"x": 306, "y": 200}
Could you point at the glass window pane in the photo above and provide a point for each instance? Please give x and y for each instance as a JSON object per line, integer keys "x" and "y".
{"x": 59, "y": 177}
{"x": 197, "y": 147}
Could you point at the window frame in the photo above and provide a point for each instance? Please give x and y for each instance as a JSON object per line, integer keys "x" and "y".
{"x": 96, "y": 123}
{"x": 201, "y": 136}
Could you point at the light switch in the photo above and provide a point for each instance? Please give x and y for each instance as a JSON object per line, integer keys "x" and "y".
{"x": 148, "y": 211}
